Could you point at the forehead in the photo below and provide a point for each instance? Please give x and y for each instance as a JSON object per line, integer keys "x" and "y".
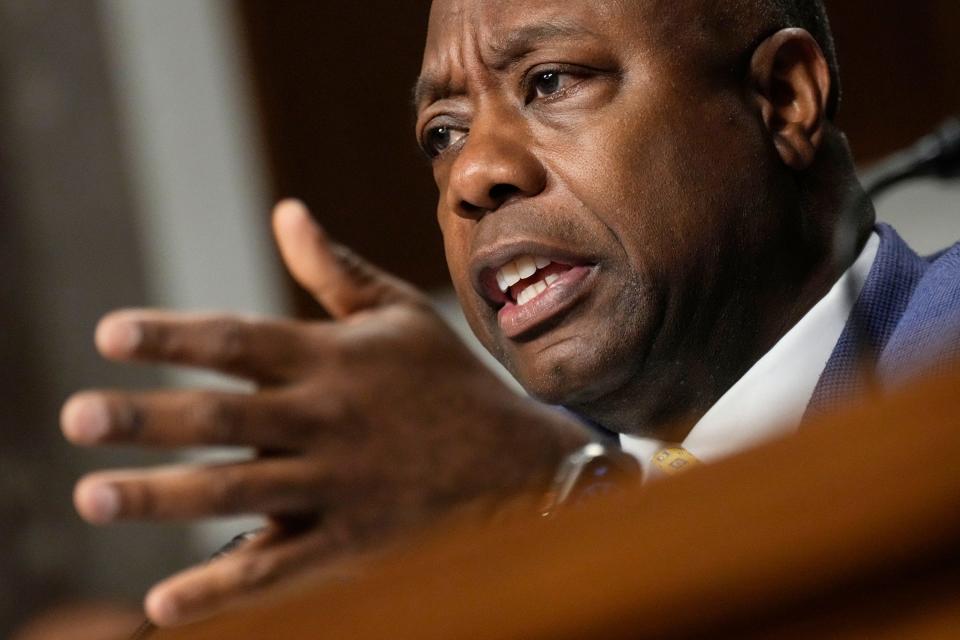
{"x": 489, "y": 22}
{"x": 489, "y": 16}
{"x": 497, "y": 30}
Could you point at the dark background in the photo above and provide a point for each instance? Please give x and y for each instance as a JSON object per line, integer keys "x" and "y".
{"x": 333, "y": 84}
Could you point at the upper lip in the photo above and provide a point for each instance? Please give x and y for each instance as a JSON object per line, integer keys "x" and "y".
{"x": 487, "y": 260}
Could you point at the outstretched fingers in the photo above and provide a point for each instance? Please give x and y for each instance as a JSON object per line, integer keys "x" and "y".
{"x": 276, "y": 486}
{"x": 265, "y": 351}
{"x": 283, "y": 419}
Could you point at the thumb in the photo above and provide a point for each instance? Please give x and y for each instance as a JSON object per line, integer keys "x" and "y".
{"x": 340, "y": 280}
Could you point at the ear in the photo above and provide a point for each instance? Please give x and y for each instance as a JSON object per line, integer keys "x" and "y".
{"x": 791, "y": 82}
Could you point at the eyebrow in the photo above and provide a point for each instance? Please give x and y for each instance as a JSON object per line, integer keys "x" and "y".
{"x": 504, "y": 53}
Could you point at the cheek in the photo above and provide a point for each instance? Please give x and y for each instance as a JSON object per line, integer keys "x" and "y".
{"x": 671, "y": 183}
{"x": 623, "y": 186}
{"x": 455, "y": 231}
{"x": 456, "y": 242}
{"x": 456, "y": 246}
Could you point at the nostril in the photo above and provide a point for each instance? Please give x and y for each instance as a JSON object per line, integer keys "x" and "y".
{"x": 500, "y": 193}
{"x": 489, "y": 200}
{"x": 471, "y": 210}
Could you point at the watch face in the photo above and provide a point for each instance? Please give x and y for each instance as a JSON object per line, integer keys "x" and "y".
{"x": 588, "y": 474}
{"x": 599, "y": 477}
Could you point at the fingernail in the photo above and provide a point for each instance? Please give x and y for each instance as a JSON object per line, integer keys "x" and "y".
{"x": 100, "y": 503}
{"x": 118, "y": 338}
{"x": 292, "y": 203}
{"x": 86, "y": 419}
{"x": 162, "y": 610}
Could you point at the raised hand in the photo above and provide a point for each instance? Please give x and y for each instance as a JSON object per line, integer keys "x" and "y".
{"x": 369, "y": 425}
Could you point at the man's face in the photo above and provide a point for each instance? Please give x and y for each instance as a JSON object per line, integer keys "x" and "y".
{"x": 596, "y": 213}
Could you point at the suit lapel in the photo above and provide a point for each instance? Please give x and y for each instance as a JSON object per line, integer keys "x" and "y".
{"x": 876, "y": 313}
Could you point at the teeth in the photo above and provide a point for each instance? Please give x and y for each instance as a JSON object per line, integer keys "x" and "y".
{"x": 526, "y": 266}
{"x": 519, "y": 269}
{"x": 502, "y": 281}
{"x": 531, "y": 292}
{"x": 535, "y": 289}
{"x": 510, "y": 276}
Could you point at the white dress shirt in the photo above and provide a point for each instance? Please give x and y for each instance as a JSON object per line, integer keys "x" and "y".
{"x": 770, "y": 399}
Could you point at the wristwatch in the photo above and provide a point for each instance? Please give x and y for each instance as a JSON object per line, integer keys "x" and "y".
{"x": 591, "y": 471}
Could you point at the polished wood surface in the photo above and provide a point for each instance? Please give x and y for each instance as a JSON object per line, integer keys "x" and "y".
{"x": 848, "y": 530}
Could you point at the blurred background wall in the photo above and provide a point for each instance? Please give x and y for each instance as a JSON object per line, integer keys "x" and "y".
{"x": 141, "y": 143}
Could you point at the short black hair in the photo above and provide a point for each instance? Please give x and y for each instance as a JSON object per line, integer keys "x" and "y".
{"x": 812, "y": 16}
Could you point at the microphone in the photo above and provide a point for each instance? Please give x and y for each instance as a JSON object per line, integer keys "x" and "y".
{"x": 935, "y": 155}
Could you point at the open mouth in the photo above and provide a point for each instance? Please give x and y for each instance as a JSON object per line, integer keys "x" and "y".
{"x": 527, "y": 277}
{"x": 536, "y": 289}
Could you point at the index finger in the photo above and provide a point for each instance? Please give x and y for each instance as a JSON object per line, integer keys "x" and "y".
{"x": 256, "y": 349}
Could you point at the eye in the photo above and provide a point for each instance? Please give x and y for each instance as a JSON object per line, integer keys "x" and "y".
{"x": 439, "y": 139}
{"x": 549, "y": 83}
{"x": 546, "y": 83}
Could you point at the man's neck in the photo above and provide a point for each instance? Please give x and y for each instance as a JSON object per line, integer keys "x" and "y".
{"x": 771, "y": 400}
{"x": 668, "y": 403}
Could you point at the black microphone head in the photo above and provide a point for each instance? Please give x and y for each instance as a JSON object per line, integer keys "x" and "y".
{"x": 939, "y": 153}
{"x": 935, "y": 155}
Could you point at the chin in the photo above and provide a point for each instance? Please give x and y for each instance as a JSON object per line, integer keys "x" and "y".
{"x": 587, "y": 358}
{"x": 578, "y": 370}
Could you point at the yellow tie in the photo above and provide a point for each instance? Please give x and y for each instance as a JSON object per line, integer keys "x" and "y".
{"x": 674, "y": 460}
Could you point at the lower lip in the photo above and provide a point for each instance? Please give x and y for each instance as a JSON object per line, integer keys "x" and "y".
{"x": 558, "y": 298}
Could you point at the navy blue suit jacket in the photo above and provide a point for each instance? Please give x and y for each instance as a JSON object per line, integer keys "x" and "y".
{"x": 908, "y": 317}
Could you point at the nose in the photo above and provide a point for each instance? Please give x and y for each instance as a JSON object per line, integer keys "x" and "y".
{"x": 496, "y": 165}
